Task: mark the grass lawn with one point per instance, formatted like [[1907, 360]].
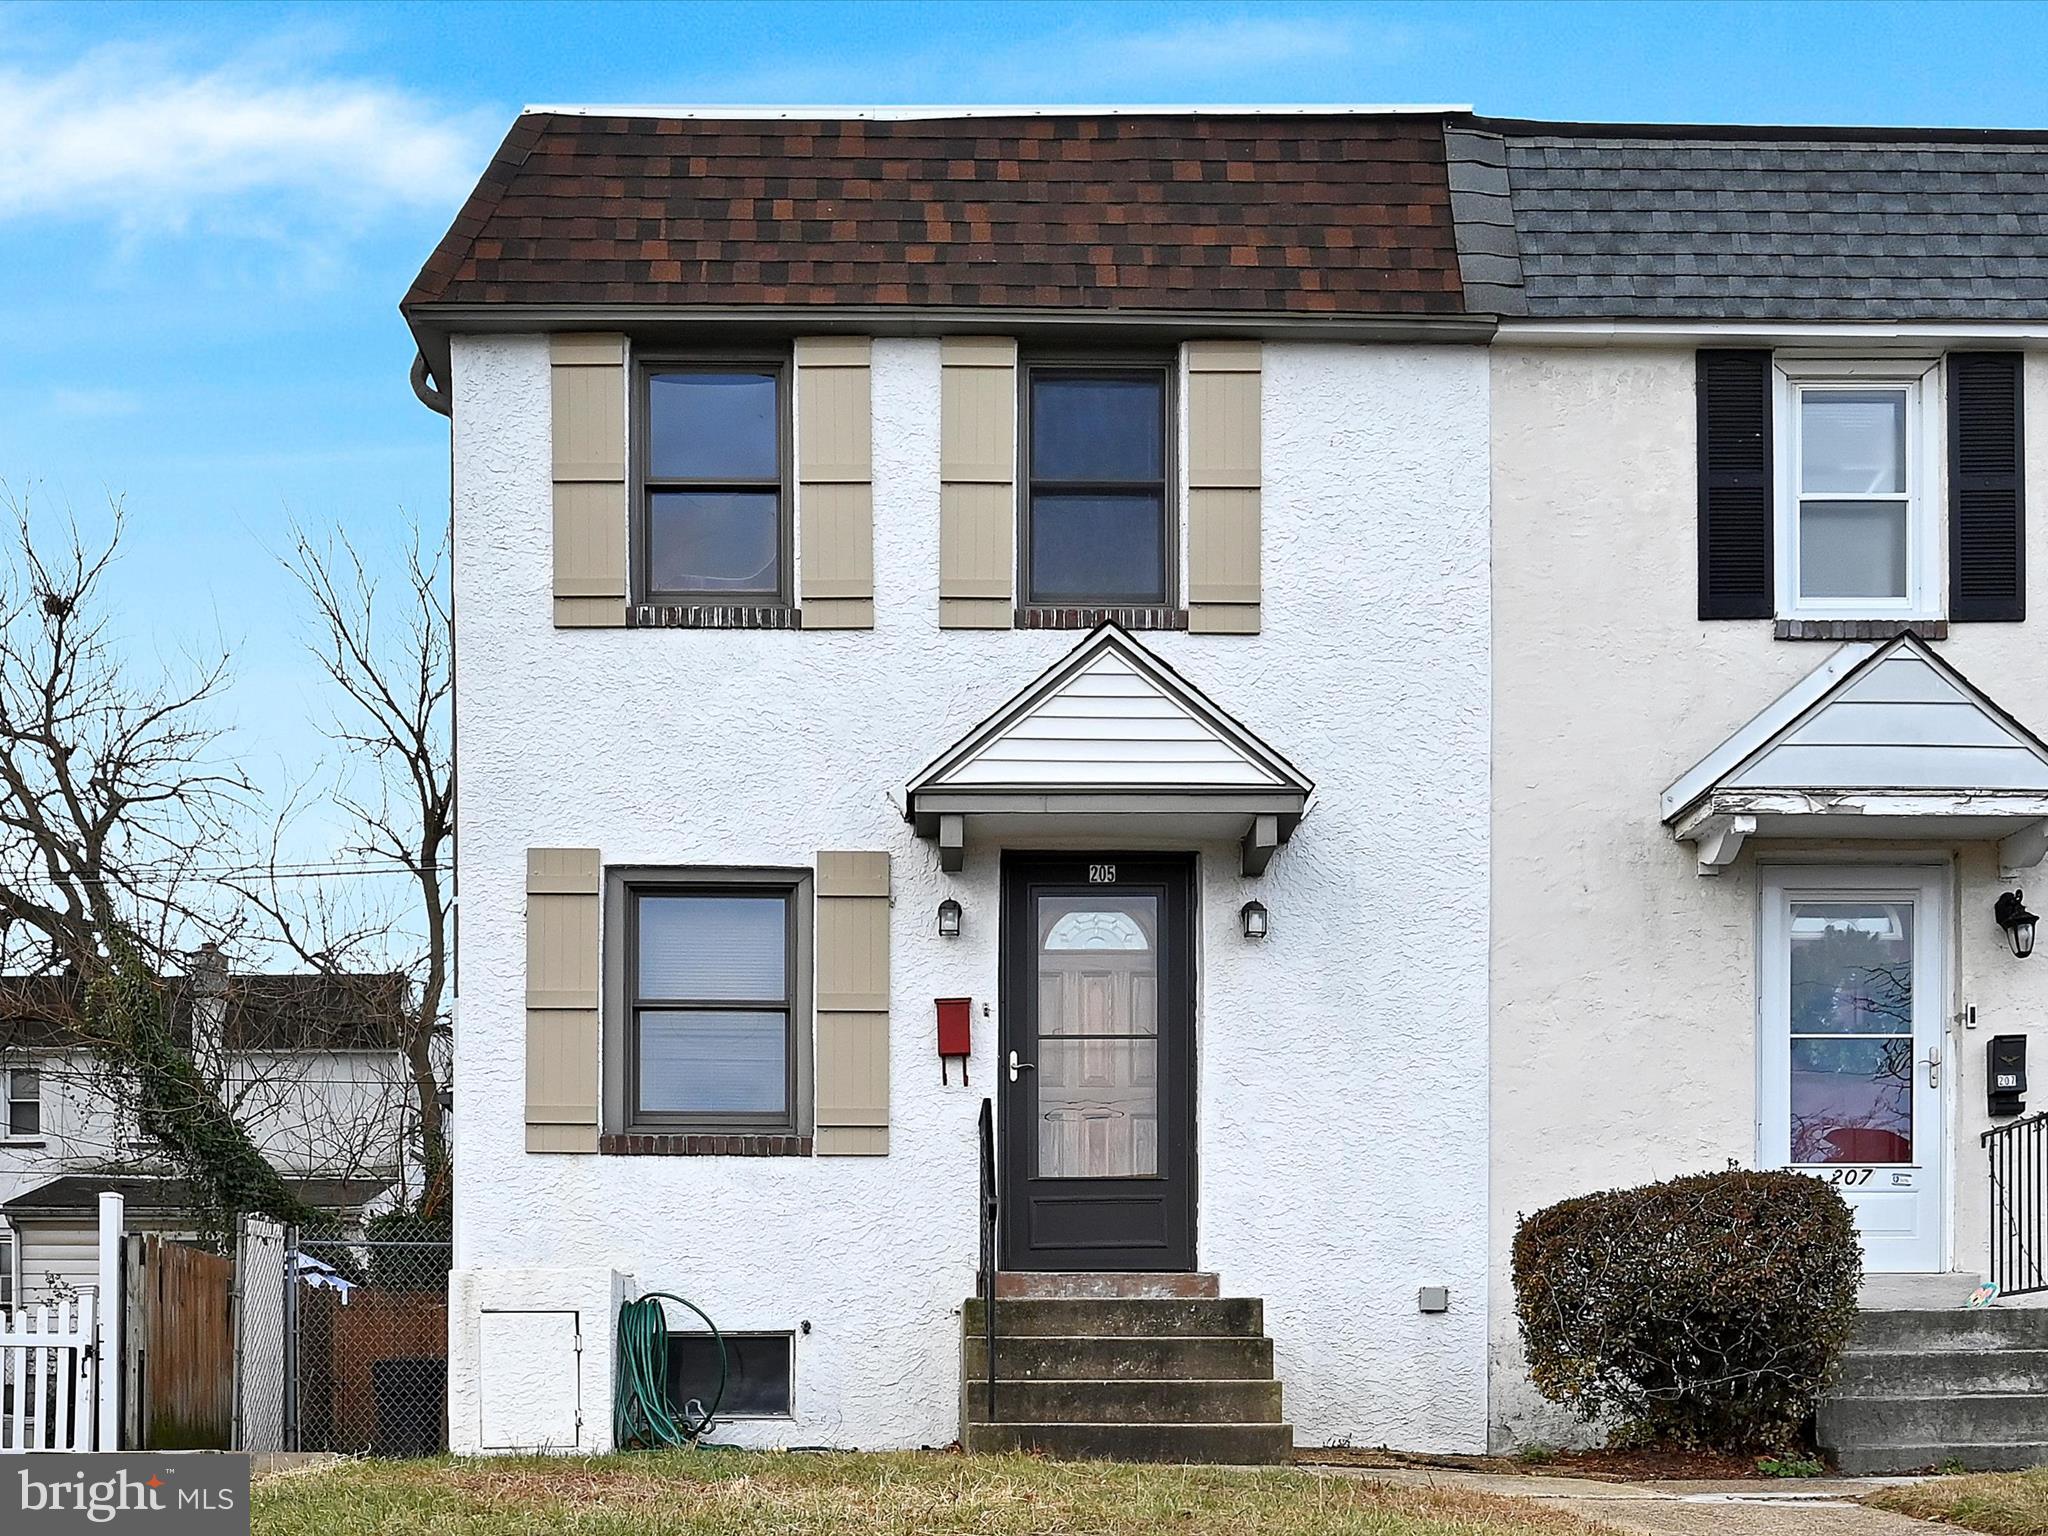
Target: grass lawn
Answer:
[[732, 1493], [2002, 1503]]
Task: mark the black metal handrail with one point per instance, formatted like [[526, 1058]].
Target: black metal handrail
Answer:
[[986, 1281], [2019, 1180]]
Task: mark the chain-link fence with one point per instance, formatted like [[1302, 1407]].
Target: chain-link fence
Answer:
[[367, 1346]]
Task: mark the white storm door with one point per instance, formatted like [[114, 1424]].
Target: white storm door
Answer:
[[1854, 989]]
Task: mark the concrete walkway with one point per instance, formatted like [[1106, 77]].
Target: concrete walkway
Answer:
[[1808, 1507]]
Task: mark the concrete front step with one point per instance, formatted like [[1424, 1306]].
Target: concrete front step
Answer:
[[1885, 1461], [1128, 1402], [1976, 1418], [1233, 1444], [1105, 1286], [1936, 1373], [1122, 1318], [1953, 1329], [1063, 1357]]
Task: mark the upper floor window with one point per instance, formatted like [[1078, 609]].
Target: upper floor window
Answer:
[[1098, 523], [24, 1102], [1859, 526], [713, 522]]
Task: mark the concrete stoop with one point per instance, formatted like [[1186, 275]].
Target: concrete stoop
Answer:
[[1925, 1388], [1123, 1375]]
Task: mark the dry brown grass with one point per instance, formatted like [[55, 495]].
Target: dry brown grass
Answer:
[[719, 1493], [1999, 1503]]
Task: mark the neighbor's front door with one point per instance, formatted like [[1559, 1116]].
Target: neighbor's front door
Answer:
[[1097, 1063], [1854, 982]]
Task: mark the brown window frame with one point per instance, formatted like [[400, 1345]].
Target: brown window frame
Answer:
[[624, 887], [1103, 365], [776, 364]]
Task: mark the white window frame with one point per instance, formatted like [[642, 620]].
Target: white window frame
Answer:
[[10, 1267], [1926, 576], [7, 1134]]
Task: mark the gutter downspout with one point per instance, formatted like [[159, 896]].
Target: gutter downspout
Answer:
[[432, 396]]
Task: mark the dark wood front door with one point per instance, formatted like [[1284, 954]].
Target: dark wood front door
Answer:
[[1097, 1068]]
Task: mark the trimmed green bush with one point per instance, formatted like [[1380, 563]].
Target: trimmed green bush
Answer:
[[1705, 1312]]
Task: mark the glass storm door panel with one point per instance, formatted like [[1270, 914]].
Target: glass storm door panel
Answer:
[[1854, 980], [1097, 1056]]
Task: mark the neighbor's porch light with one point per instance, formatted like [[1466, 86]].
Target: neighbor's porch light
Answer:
[[2017, 922], [949, 919]]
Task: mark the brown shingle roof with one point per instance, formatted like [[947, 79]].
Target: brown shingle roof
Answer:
[[1251, 214]]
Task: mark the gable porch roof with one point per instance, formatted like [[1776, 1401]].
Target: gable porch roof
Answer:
[[1880, 740]]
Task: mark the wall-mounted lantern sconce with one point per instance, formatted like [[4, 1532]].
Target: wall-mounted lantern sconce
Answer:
[[2017, 921], [949, 919], [1253, 920]]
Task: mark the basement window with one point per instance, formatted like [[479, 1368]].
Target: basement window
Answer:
[[758, 1373]]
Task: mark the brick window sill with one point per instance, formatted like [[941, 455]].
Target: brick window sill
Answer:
[[1859, 629], [710, 616], [1088, 618], [701, 1144]]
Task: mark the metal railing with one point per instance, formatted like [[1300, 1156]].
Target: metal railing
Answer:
[[986, 1280], [2019, 1183]]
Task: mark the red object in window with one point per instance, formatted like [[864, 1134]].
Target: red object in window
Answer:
[[956, 1028]]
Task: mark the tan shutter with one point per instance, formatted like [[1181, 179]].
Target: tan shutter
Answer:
[[977, 481], [589, 391], [835, 492], [852, 1066], [1223, 487], [562, 972]]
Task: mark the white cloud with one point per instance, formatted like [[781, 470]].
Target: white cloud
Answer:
[[1087, 61], [132, 135], [93, 401]]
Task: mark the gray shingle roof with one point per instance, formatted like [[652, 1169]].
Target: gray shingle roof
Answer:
[[1762, 224]]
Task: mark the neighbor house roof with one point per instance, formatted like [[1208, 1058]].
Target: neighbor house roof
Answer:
[[77, 1192], [265, 1012], [1248, 213], [1564, 221]]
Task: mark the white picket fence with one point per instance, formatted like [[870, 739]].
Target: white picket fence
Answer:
[[48, 1366], [54, 1394]]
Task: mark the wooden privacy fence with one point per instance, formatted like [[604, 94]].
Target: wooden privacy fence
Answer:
[[182, 1314], [47, 1377]]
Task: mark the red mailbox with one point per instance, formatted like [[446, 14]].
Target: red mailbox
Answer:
[[956, 1032]]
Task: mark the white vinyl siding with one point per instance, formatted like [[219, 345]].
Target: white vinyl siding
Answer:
[[1902, 726], [1111, 724]]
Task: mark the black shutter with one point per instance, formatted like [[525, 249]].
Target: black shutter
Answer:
[[1735, 514], [1987, 497]]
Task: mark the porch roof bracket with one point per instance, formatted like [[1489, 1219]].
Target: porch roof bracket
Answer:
[[952, 843], [1261, 840], [1717, 839], [2023, 850]]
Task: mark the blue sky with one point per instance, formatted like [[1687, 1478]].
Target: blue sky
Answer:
[[208, 213]]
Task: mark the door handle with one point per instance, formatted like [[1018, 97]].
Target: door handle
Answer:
[[1933, 1060], [1017, 1066]]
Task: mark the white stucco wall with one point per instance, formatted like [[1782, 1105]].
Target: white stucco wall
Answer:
[[1624, 985], [1342, 1064]]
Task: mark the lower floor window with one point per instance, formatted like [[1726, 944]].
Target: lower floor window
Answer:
[[711, 1024], [757, 1374]]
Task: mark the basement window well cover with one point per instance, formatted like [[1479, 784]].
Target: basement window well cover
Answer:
[[758, 1373]]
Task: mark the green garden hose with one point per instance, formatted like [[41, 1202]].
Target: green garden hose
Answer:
[[642, 1412]]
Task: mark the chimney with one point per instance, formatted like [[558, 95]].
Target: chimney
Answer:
[[206, 968]]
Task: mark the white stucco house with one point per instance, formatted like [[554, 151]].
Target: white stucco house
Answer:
[[1349, 665]]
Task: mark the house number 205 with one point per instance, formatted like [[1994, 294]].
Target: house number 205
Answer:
[[1102, 874]]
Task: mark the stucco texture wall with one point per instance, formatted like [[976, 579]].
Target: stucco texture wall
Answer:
[[1624, 985], [1342, 1063]]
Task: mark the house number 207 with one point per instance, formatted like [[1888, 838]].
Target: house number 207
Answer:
[[1102, 874]]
